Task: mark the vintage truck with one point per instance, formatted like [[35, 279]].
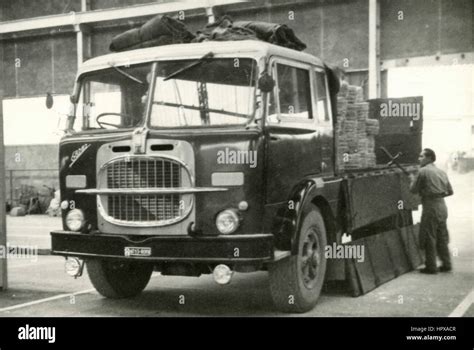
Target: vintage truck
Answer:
[[214, 157]]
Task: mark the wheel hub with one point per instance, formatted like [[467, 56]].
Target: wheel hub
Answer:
[[310, 259]]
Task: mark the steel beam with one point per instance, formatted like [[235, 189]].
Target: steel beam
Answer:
[[83, 43], [374, 49], [3, 225], [432, 60], [210, 15], [3, 228], [97, 16]]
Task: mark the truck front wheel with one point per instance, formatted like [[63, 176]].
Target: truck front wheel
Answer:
[[296, 281], [118, 279]]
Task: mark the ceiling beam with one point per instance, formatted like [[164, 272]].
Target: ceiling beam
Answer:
[[97, 16]]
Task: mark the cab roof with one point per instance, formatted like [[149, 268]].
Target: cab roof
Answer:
[[242, 48]]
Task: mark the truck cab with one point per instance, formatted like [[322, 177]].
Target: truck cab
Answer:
[[214, 157]]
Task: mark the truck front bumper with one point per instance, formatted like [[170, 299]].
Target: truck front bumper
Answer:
[[252, 248]]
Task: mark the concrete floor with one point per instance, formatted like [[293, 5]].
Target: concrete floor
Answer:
[[41, 288], [32, 230]]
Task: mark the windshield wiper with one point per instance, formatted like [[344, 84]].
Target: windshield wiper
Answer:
[[192, 65], [198, 108], [128, 75]]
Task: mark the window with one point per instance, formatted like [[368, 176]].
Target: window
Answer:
[[294, 95], [113, 98], [102, 98], [218, 91], [321, 97]]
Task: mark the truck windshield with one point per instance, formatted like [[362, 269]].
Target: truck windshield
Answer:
[[218, 91], [113, 98]]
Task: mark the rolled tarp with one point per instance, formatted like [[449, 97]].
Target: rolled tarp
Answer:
[[278, 34], [164, 30], [160, 30], [224, 30]]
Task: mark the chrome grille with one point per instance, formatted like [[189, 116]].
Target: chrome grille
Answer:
[[144, 207], [144, 173]]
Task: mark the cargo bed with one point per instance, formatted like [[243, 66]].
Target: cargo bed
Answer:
[[378, 169], [371, 195]]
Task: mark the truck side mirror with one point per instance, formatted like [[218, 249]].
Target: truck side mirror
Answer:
[[49, 100], [266, 83]]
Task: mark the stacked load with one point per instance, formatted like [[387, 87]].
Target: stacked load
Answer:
[[354, 131], [354, 94], [372, 126]]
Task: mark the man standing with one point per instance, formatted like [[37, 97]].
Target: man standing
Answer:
[[432, 185]]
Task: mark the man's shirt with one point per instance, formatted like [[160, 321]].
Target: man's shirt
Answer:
[[431, 183]]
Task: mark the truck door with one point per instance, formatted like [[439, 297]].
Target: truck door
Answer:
[[293, 149]]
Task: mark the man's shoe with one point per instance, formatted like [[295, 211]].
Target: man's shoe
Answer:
[[445, 269], [429, 271]]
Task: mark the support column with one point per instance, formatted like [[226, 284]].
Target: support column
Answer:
[[3, 226], [210, 15], [83, 37], [374, 49], [85, 5], [83, 40]]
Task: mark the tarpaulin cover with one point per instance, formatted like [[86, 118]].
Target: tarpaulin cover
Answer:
[[164, 30], [224, 30], [278, 34], [160, 30]]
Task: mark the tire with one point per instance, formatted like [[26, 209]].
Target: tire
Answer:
[[296, 281], [118, 279]]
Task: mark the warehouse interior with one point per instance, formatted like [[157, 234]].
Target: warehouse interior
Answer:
[[400, 48], [43, 43]]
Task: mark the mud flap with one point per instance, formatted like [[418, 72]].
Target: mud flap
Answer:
[[387, 256], [411, 239]]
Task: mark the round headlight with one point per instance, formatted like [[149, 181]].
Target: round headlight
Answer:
[[75, 220], [222, 274], [72, 267], [227, 221]]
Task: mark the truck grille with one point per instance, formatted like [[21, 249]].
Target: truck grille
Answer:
[[129, 173], [144, 207], [144, 173]]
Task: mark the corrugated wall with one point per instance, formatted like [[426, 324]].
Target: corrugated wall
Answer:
[[426, 27], [34, 66], [19, 9], [334, 30]]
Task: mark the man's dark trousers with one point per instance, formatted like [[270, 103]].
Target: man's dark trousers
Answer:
[[434, 236]]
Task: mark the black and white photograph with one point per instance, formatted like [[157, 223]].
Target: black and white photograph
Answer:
[[237, 159]]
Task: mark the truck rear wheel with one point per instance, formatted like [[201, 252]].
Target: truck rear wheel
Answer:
[[296, 281], [118, 279]]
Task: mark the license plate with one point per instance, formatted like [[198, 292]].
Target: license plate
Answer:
[[137, 251]]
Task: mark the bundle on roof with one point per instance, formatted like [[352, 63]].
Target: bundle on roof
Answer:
[[160, 30], [278, 34], [164, 30], [224, 30]]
